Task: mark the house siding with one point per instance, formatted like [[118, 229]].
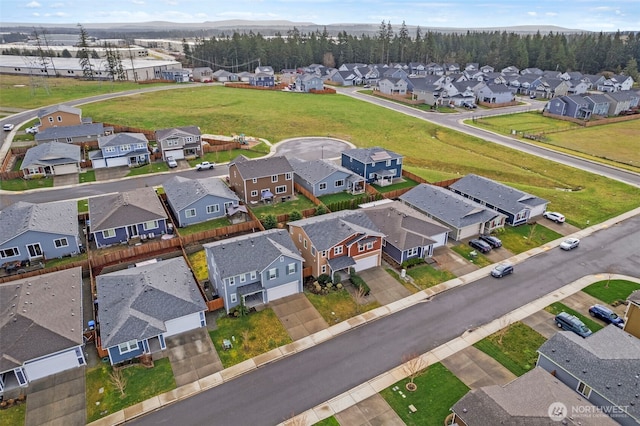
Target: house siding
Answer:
[[201, 210], [123, 236], [330, 182], [394, 252], [238, 185], [47, 243], [361, 168], [60, 119], [116, 357]]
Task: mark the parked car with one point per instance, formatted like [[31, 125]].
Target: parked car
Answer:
[[569, 244], [606, 315], [494, 242], [554, 216], [480, 245], [569, 322], [205, 165], [532, 96], [171, 162], [501, 270], [8, 127], [469, 105], [31, 130]]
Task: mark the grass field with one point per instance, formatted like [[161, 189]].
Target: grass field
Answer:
[[611, 291], [465, 251], [425, 276], [427, 148], [521, 238], [14, 416], [337, 306]]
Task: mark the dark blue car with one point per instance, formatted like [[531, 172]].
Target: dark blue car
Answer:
[[606, 315]]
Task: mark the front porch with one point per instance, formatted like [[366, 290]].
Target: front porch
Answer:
[[252, 295]]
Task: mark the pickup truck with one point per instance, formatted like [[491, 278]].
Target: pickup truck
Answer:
[[204, 166]]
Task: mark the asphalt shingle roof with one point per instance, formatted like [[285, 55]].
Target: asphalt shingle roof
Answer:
[[135, 303], [64, 108], [125, 208], [82, 130], [118, 139], [59, 217], [183, 192], [261, 167], [177, 131], [369, 155], [51, 154], [315, 171]]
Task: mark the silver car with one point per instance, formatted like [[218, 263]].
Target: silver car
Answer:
[[569, 244], [171, 162]]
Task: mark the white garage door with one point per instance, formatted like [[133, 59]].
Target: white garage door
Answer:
[[65, 169], [177, 154], [182, 324], [98, 164], [366, 263], [282, 291], [51, 365], [118, 161]]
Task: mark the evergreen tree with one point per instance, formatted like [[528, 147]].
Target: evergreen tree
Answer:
[[83, 54]]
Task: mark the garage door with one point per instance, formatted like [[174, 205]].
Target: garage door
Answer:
[[177, 154], [51, 365], [366, 263], [65, 169], [182, 324], [282, 291], [119, 161], [98, 164]]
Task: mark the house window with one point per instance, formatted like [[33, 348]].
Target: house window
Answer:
[[339, 183], [190, 213], [108, 233], [255, 180], [125, 148], [109, 149], [304, 243], [69, 140], [273, 273], [253, 275], [412, 251], [213, 208], [152, 224], [323, 253], [130, 346], [337, 250], [360, 247], [50, 119], [274, 178], [399, 161], [60, 242], [322, 186], [227, 205], [9, 252], [323, 269], [254, 193], [291, 268], [234, 298], [288, 176], [232, 280], [313, 251], [281, 189], [388, 163], [59, 119], [80, 357], [203, 321], [584, 389], [372, 175], [140, 146], [243, 278], [188, 139], [35, 250]]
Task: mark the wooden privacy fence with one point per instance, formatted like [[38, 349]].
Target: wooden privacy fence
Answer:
[[83, 263], [117, 128], [299, 188], [220, 232], [413, 177], [130, 253]]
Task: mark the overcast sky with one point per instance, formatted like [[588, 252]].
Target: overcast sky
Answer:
[[592, 15]]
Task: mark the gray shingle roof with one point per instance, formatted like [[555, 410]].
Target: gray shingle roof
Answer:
[[118, 139], [183, 192], [59, 217], [327, 230], [82, 130], [261, 167], [607, 361], [51, 154], [231, 255], [315, 171], [496, 194], [39, 316], [125, 208], [135, 303], [56, 108], [447, 206], [177, 131], [634, 297], [370, 155]]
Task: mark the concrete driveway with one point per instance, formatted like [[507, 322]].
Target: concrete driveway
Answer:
[[298, 316], [109, 173], [58, 399], [542, 322], [476, 369], [192, 356], [371, 411], [560, 228], [64, 180], [384, 288], [451, 261]]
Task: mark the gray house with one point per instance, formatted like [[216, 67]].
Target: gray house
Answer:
[[464, 217], [602, 368], [139, 308], [179, 142], [79, 134], [495, 94], [121, 149], [392, 86], [198, 200], [308, 82], [620, 101], [574, 106], [254, 269], [41, 330], [322, 177], [598, 104], [39, 231], [202, 74], [52, 158]]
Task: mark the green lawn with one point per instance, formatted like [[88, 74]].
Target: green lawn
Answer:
[[142, 384], [155, 167], [63, 261], [88, 176], [514, 347], [465, 251], [83, 206], [518, 239], [425, 276], [438, 389], [557, 307], [610, 291], [337, 306], [259, 150], [25, 184], [198, 261], [300, 203], [15, 416], [263, 331], [527, 122], [329, 421], [204, 226], [406, 183]]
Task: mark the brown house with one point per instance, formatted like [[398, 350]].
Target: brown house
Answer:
[[261, 180], [337, 242], [632, 315], [59, 116]]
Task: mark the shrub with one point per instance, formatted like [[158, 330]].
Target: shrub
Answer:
[[295, 215], [270, 222], [412, 262], [359, 283], [323, 279], [320, 210]]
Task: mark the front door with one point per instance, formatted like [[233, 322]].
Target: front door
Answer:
[[35, 250], [132, 230]]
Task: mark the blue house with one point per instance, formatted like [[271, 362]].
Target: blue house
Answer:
[[121, 149], [254, 269], [31, 232], [377, 165], [307, 82], [598, 104], [322, 177], [262, 80], [198, 200], [140, 307], [574, 106], [118, 218]]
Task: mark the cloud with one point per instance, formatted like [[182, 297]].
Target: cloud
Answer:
[[139, 2], [33, 5], [551, 14], [532, 13]]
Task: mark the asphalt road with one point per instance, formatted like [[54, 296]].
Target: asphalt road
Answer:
[[273, 393]]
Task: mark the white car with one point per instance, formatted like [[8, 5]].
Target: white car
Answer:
[[204, 166], [31, 130], [8, 127], [554, 216], [171, 162], [569, 244]]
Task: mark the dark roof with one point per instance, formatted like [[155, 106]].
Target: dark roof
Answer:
[[62, 132], [183, 192], [51, 154], [125, 208], [370, 155], [177, 131], [261, 167], [56, 218], [56, 108], [315, 171], [118, 139]]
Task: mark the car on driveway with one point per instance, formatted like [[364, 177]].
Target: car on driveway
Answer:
[[554, 216], [171, 162], [606, 315], [31, 130], [501, 270], [494, 242], [8, 127], [569, 244], [480, 245], [569, 322], [205, 165]]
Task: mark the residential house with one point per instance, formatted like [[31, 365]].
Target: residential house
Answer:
[[224, 76], [632, 314], [451, 68], [262, 179], [487, 69], [322, 177], [244, 76], [254, 269], [517, 205], [551, 87], [574, 106], [202, 74], [265, 69], [395, 73], [495, 94], [616, 83], [459, 93], [41, 330], [603, 368], [140, 307], [593, 81], [32, 232], [338, 241], [377, 165], [79, 135], [392, 86], [262, 80], [60, 116], [533, 70], [129, 216], [177, 75], [620, 101], [289, 75], [510, 70], [51, 159], [198, 200], [408, 233], [308, 82], [578, 87], [434, 69], [598, 104], [343, 78], [464, 217], [179, 142], [417, 68], [513, 403], [121, 149]]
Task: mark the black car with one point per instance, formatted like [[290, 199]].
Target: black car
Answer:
[[501, 270], [480, 245], [493, 241]]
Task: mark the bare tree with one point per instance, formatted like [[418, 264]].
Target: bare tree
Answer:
[[611, 270], [359, 297], [118, 380], [532, 231], [414, 365], [245, 340]]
